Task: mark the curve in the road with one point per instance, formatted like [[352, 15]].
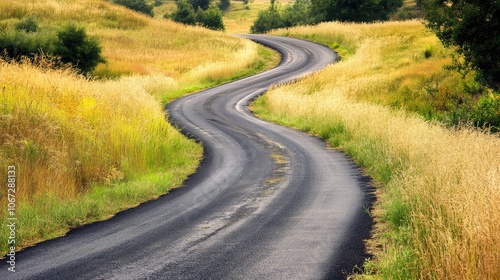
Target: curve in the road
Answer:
[[267, 202]]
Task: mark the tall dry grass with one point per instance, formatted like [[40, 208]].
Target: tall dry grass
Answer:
[[66, 135], [62, 129], [86, 149], [439, 202], [137, 44]]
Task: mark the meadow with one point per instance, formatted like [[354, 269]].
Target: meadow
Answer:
[[438, 191], [86, 148]]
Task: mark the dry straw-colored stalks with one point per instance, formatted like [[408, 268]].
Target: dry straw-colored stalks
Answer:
[[442, 186]]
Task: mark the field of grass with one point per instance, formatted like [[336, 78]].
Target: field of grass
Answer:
[[438, 213], [83, 148]]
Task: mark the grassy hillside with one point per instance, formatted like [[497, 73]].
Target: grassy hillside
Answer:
[[84, 149], [438, 188]]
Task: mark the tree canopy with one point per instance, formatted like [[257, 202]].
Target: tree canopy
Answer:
[[472, 27], [303, 12], [354, 10], [193, 12]]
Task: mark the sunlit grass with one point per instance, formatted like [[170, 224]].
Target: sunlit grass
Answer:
[[438, 199], [87, 148], [65, 134], [136, 44]]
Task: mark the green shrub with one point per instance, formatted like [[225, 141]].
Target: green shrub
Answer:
[[185, 13], [224, 4], [267, 20], [28, 24], [69, 45], [274, 17], [296, 14], [487, 112], [200, 4], [211, 18], [137, 5], [74, 46], [16, 44]]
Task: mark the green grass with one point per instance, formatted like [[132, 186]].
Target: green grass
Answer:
[[49, 216]]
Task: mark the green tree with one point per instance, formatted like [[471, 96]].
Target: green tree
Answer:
[[185, 13], [354, 10], [211, 18], [268, 19], [137, 5], [74, 46], [472, 27], [224, 4], [296, 14], [197, 4]]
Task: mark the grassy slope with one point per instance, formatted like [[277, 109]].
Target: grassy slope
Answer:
[[438, 189], [85, 149]]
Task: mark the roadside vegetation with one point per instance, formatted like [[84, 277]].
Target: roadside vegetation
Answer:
[[88, 146], [201, 13], [438, 186], [306, 12]]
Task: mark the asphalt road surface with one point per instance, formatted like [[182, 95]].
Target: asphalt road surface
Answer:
[[267, 202]]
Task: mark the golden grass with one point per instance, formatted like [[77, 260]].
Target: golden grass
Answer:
[[62, 129], [136, 44], [85, 149], [442, 186], [66, 135]]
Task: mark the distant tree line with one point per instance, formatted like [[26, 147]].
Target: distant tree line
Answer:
[[66, 45], [200, 12], [314, 11]]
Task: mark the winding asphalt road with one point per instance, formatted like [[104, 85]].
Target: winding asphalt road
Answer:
[[267, 202]]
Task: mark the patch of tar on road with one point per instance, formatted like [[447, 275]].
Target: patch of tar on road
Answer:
[[281, 169], [254, 204]]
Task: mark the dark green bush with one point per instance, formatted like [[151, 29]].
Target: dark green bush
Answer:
[[211, 18], [267, 20], [15, 44], [69, 45], [200, 4], [137, 5], [28, 24], [224, 4], [185, 13], [74, 46], [296, 14], [354, 10]]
